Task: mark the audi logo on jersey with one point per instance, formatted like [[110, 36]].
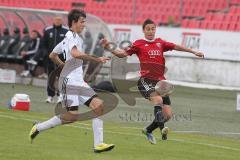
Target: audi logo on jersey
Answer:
[[153, 53]]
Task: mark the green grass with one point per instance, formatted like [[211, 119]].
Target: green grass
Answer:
[[212, 112]]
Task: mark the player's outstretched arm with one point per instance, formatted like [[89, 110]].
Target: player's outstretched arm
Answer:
[[117, 52], [80, 55], [55, 58], [184, 49]]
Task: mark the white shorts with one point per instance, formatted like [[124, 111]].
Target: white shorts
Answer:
[[76, 92]]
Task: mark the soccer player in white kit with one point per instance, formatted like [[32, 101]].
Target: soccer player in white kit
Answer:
[[72, 47]]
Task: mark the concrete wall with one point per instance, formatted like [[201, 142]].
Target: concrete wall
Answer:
[[217, 72]]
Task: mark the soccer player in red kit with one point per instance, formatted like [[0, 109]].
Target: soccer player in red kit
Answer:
[[150, 52]]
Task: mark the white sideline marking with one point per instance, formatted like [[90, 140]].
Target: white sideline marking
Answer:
[[206, 144], [16, 118], [128, 134], [2, 114], [203, 86]]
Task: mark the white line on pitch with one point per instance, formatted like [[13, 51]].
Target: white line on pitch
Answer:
[[133, 128], [128, 134]]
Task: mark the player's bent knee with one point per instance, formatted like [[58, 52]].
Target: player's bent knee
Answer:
[[73, 118], [97, 106], [70, 117], [99, 110], [156, 99]]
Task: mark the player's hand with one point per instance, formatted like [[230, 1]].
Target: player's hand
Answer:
[[61, 65], [199, 54], [103, 59], [104, 42], [23, 53]]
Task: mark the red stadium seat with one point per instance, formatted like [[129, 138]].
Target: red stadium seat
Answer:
[[194, 24], [185, 23], [204, 24], [235, 2], [218, 25], [209, 16], [225, 26], [235, 18], [237, 27], [211, 25], [121, 11], [232, 26], [219, 17]]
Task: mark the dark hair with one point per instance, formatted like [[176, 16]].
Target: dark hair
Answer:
[[146, 22], [74, 15], [101, 36], [16, 30], [38, 34], [25, 30], [6, 31]]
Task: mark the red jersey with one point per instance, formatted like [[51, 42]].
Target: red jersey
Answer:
[[150, 55]]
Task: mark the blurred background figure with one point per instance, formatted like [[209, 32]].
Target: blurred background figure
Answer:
[[88, 41], [51, 37], [10, 41], [4, 40], [26, 37], [21, 45], [93, 68], [15, 39], [33, 48]]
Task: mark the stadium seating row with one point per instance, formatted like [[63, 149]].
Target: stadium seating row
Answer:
[[12, 45], [213, 14], [207, 24]]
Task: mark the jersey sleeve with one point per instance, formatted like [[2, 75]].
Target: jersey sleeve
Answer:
[[133, 49], [168, 46], [72, 42], [58, 48]]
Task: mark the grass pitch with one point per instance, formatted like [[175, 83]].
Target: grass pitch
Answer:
[[205, 126]]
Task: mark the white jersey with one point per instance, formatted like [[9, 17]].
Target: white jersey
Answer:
[[74, 79], [58, 48], [65, 46]]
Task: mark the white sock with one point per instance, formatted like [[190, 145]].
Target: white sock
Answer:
[[97, 125], [54, 121]]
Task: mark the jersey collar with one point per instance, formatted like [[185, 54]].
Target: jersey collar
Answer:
[[149, 40]]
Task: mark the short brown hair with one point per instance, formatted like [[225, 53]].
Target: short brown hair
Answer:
[[74, 15], [146, 22]]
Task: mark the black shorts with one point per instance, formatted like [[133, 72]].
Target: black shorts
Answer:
[[147, 86]]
